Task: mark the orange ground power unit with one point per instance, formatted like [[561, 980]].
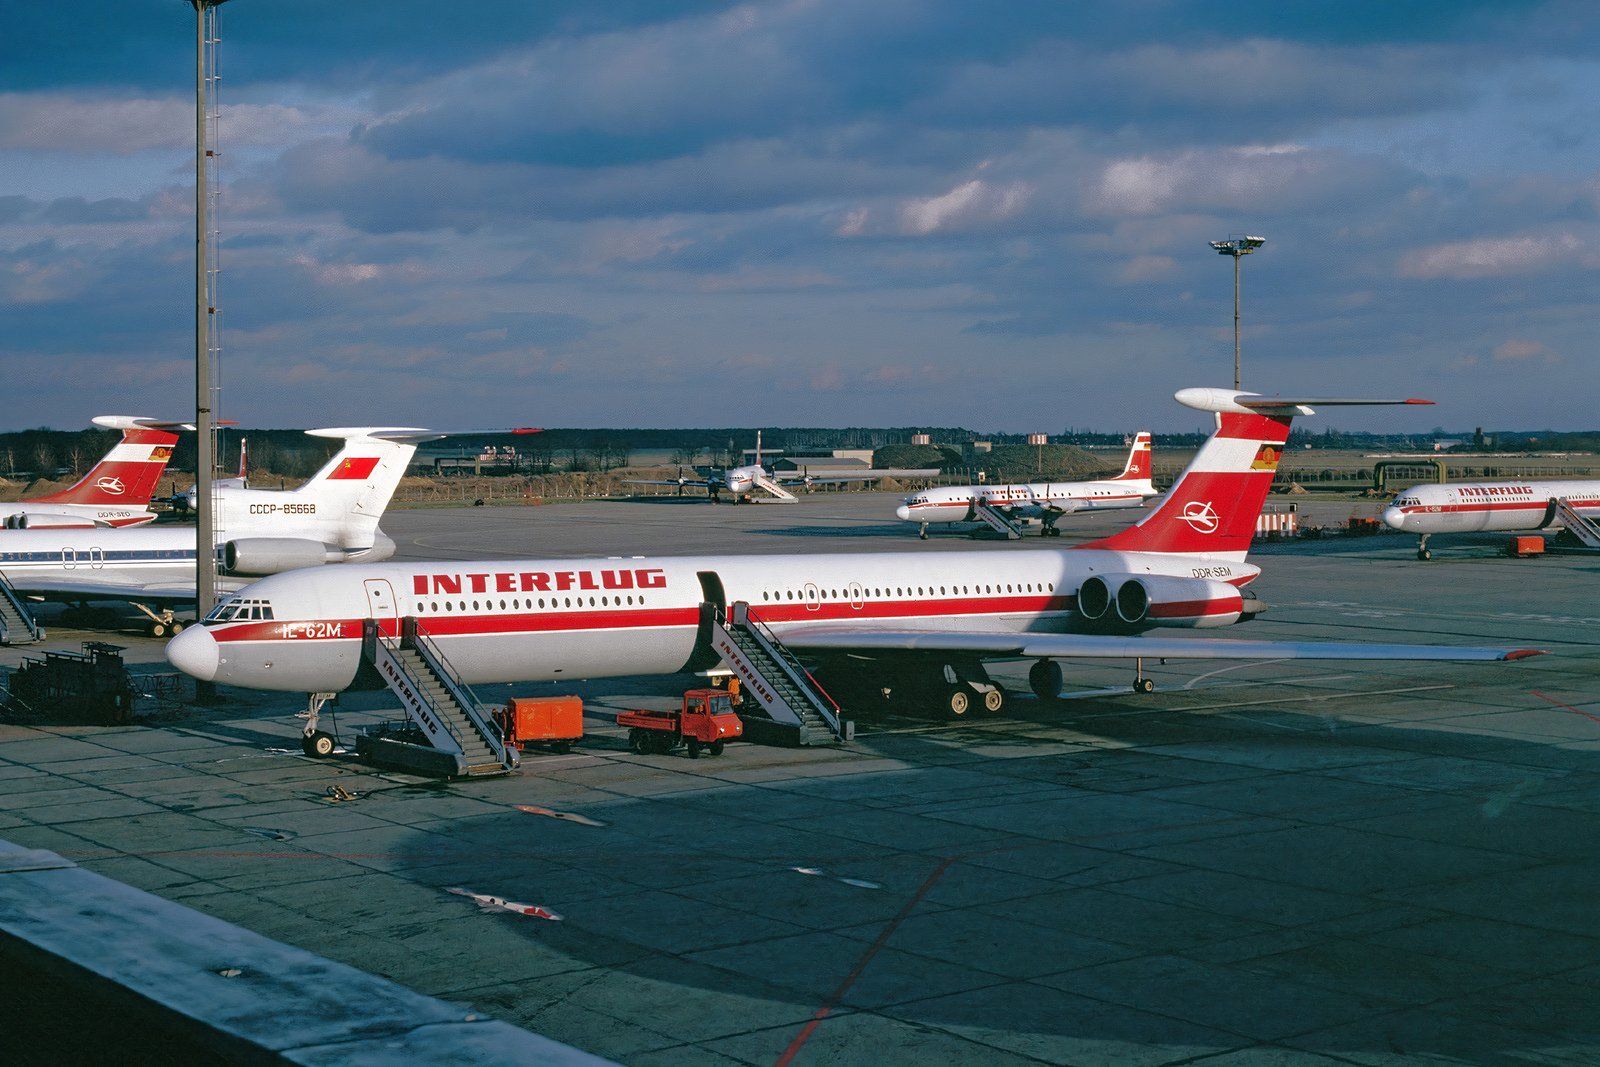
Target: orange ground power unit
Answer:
[[545, 720]]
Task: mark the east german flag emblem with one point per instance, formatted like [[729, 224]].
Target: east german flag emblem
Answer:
[[160, 454], [1267, 457]]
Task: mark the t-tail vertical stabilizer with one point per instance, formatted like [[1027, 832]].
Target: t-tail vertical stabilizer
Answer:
[[1212, 508]]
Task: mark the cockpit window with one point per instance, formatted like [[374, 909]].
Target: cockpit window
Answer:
[[234, 609]]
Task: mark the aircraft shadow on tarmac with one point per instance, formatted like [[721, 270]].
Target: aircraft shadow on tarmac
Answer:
[[1108, 894]]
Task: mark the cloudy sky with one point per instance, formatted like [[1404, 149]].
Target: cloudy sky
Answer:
[[806, 211]]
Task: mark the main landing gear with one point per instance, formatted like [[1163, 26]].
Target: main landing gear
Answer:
[[162, 623], [1049, 530], [1422, 547], [314, 742]]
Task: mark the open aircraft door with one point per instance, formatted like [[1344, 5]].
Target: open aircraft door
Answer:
[[381, 605]]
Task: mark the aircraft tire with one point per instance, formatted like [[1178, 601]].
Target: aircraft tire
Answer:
[[994, 701], [1046, 679], [158, 629], [318, 745], [957, 701], [1424, 554], [1145, 685]]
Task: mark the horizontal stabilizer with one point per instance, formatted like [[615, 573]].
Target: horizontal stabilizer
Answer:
[[1206, 399]]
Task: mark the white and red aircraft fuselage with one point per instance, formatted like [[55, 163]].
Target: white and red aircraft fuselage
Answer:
[[1045, 502], [920, 617], [1478, 507], [116, 492]]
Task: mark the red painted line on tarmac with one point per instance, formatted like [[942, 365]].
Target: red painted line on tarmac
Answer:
[[1568, 707], [861, 965]]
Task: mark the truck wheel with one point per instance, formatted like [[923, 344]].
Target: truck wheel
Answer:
[[715, 748], [636, 741], [561, 748], [694, 748]]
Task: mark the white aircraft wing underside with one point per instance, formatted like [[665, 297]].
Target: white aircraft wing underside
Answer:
[[1095, 646], [151, 592]]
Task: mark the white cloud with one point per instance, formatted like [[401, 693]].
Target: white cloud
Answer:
[[968, 205], [83, 125], [1492, 257]]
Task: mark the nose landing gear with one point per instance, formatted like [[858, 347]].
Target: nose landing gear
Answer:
[[1422, 547]]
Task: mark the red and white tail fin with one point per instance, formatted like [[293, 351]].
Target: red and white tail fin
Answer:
[[127, 474], [1213, 507], [244, 464], [1139, 460]]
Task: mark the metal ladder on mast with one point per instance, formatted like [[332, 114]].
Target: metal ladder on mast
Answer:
[[1585, 530], [996, 521], [463, 738], [17, 626], [801, 711]]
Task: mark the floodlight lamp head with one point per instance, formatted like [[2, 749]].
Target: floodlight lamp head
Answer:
[[1238, 246]]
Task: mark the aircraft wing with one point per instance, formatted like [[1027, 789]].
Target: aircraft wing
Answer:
[[685, 482], [68, 588], [1096, 646], [800, 479]]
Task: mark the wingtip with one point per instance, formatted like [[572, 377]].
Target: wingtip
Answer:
[[1418, 400], [1524, 653]]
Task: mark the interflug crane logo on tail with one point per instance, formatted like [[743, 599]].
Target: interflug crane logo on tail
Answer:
[[1201, 516], [113, 486]]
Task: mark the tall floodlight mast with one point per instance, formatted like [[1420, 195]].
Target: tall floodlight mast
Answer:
[[205, 21], [1238, 248]]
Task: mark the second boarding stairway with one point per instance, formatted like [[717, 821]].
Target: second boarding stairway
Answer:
[[17, 626], [778, 492], [1586, 531], [463, 739], [996, 520], [798, 711]]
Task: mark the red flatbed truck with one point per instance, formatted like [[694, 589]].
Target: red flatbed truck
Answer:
[[705, 723]]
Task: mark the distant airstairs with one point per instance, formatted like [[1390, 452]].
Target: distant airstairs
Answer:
[[462, 738], [997, 521], [778, 491], [17, 626], [1584, 530], [770, 676]]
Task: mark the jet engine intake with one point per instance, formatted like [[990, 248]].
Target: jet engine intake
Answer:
[[50, 520], [1094, 598], [1161, 600], [260, 556]]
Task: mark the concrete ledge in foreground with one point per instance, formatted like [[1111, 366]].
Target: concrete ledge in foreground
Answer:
[[110, 966]]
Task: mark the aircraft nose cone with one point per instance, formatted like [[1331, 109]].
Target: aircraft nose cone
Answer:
[[195, 653], [904, 511], [1394, 517]]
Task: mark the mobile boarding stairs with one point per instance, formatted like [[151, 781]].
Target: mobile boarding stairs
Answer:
[[449, 732], [794, 709], [17, 626]]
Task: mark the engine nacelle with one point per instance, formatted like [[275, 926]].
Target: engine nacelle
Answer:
[[1094, 596], [257, 557], [1160, 600], [50, 520]]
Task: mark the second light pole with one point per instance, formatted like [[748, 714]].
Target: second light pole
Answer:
[[1238, 248]]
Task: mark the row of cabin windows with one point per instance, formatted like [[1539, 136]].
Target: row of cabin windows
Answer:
[[901, 591], [438, 607]]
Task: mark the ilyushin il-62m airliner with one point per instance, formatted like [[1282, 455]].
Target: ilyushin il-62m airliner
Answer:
[[908, 623]]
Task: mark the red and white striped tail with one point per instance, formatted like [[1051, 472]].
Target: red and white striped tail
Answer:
[[1213, 508], [1139, 460], [126, 475]]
